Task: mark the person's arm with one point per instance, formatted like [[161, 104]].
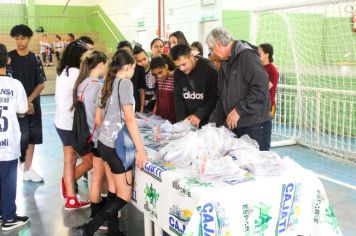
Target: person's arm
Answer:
[[255, 77], [141, 87], [179, 104], [142, 98], [212, 96], [21, 100], [218, 115], [132, 126], [39, 80], [270, 85], [273, 78], [98, 117]]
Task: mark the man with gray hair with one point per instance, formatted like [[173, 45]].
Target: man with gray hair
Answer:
[[244, 104]]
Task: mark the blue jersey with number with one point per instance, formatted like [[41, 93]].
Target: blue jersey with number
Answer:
[[13, 101]]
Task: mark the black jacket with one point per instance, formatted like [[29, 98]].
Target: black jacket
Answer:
[[196, 93], [138, 82], [243, 84]]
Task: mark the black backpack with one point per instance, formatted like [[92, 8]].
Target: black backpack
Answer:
[[81, 136]]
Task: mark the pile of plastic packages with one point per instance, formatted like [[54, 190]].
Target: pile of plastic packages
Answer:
[[158, 132], [211, 153]]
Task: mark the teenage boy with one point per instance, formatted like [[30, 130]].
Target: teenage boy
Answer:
[[141, 58], [13, 100], [28, 70], [195, 86], [138, 79]]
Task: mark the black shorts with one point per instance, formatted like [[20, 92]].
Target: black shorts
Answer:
[[96, 153], [31, 130], [65, 136], [109, 155]]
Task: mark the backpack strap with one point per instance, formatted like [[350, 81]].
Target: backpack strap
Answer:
[[82, 95], [81, 99]]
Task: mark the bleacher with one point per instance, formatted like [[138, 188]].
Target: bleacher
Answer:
[[34, 46]]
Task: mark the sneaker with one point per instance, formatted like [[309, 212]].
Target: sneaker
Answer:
[[15, 223], [80, 231], [1, 219], [64, 190], [72, 203], [104, 226], [31, 175]]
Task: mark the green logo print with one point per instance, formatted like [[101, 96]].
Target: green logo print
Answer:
[[261, 223], [194, 182], [331, 219], [151, 195]]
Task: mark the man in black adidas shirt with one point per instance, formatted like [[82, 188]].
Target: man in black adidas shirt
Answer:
[[26, 68], [195, 86]]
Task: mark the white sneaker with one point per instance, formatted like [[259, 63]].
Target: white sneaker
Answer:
[[31, 175]]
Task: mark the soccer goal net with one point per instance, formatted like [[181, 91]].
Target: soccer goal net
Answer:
[[315, 52]]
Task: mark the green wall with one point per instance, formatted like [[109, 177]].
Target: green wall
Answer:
[[320, 42], [12, 14], [98, 25], [238, 23], [315, 35], [75, 19], [52, 18]]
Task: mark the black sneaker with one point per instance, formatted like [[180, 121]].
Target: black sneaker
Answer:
[[80, 231], [15, 223]]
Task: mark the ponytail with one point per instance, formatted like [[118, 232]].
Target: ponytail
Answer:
[[87, 65]]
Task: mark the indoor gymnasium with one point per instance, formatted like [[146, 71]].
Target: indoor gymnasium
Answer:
[[181, 118]]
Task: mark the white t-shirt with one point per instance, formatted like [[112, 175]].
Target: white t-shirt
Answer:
[[64, 98], [44, 46], [13, 100]]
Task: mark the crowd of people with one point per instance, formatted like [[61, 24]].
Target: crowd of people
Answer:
[[234, 87], [47, 48]]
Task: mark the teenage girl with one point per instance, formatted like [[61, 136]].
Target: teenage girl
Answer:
[[116, 108]]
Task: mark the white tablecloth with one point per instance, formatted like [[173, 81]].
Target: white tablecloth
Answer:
[[294, 203]]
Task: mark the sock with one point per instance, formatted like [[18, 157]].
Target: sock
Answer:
[[111, 207], [95, 208]]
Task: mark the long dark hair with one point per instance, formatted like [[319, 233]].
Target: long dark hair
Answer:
[[181, 39], [88, 64], [161, 62], [119, 60], [268, 48], [198, 46], [71, 56]]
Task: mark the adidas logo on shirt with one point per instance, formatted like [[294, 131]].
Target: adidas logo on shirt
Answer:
[[193, 96]]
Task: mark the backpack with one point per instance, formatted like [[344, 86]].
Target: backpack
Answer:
[[81, 136]]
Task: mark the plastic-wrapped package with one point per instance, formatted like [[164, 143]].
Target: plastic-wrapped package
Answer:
[[258, 162], [218, 169]]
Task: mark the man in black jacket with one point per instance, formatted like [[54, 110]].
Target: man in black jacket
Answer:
[[244, 104], [195, 86]]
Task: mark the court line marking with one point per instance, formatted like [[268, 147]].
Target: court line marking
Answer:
[[346, 185]]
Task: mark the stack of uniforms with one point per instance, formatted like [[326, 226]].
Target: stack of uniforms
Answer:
[[214, 154]]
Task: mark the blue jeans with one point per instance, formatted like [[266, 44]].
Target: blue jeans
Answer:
[[261, 133], [8, 180]]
